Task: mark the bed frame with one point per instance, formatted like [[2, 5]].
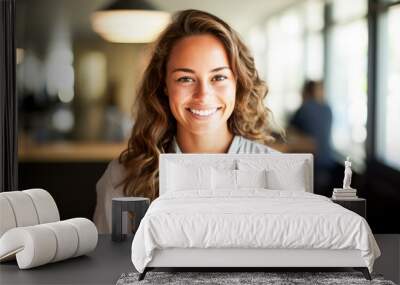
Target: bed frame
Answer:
[[247, 259]]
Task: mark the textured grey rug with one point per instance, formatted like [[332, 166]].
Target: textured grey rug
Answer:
[[229, 278]]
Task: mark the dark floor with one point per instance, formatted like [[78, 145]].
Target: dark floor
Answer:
[[104, 266], [389, 262]]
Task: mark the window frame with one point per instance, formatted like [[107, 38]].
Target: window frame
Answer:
[[8, 98]]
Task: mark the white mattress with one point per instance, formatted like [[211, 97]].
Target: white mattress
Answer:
[[252, 218]]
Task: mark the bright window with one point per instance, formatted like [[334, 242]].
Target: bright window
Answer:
[[314, 43], [347, 82], [344, 10], [314, 56], [285, 64], [294, 53], [288, 49], [388, 98]]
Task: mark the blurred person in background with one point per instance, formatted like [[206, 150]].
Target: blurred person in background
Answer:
[[314, 119]]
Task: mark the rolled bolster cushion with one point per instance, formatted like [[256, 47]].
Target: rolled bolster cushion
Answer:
[[40, 244], [7, 218], [67, 240], [33, 246], [26, 208], [45, 205], [23, 208], [87, 235]]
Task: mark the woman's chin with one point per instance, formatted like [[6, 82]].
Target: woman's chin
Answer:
[[209, 130]]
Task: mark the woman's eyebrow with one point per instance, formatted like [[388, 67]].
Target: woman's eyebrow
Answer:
[[219, 68], [183, 69], [192, 71]]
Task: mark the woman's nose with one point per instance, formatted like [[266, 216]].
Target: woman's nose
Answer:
[[203, 90]]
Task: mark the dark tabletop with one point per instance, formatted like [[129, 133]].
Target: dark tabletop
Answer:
[[104, 265]]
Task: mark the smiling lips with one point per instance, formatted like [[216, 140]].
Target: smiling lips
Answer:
[[204, 112]]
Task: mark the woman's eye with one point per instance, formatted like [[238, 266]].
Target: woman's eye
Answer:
[[185, 79], [219, 78]]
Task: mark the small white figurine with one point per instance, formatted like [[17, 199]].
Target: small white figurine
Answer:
[[347, 174]]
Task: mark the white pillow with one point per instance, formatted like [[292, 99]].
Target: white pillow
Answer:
[[293, 179], [236, 179], [224, 179], [182, 177], [280, 174], [251, 178]]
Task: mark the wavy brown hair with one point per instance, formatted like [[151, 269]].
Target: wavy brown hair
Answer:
[[155, 126]]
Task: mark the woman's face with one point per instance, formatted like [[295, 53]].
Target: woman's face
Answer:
[[200, 84]]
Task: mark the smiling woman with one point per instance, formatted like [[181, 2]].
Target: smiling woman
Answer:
[[200, 93]]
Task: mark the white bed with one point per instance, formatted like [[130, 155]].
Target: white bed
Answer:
[[256, 210]]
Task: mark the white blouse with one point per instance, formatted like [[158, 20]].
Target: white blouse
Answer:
[[107, 186]]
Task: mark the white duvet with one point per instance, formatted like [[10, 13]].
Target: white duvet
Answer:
[[252, 218]]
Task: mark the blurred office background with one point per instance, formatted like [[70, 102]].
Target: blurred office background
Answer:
[[76, 90]]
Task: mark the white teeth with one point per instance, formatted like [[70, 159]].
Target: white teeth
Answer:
[[204, 112]]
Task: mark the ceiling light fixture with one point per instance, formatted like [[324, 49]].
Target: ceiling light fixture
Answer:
[[129, 21]]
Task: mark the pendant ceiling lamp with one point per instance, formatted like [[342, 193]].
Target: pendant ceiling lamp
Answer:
[[129, 21]]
